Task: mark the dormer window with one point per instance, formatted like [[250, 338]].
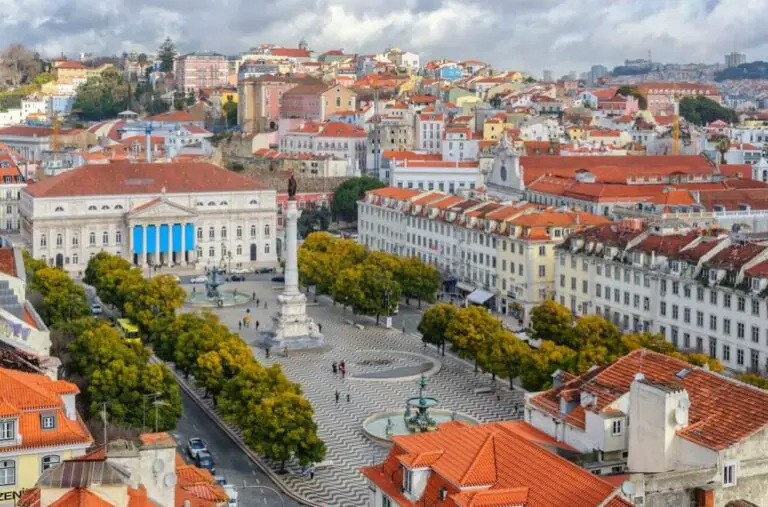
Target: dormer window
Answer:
[[756, 284], [91, 208], [48, 421], [713, 274], [616, 427], [8, 429], [407, 480], [676, 266]]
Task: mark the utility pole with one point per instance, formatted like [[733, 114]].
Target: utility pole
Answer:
[[104, 417]]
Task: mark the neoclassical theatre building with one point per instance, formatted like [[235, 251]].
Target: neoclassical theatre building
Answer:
[[183, 213]]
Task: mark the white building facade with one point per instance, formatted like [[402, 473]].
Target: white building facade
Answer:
[[151, 214]]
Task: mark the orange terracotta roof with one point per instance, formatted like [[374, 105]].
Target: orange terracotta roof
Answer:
[[290, 52], [395, 193], [438, 163], [410, 155], [7, 262], [339, 129], [428, 198], [129, 178], [157, 438], [714, 398], [81, 497], [173, 117], [139, 498], [506, 467]]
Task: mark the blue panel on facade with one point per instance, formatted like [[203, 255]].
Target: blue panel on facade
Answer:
[[151, 246], [190, 246], [138, 239], [176, 237], [164, 238]]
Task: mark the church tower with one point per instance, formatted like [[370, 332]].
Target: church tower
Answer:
[[506, 179]]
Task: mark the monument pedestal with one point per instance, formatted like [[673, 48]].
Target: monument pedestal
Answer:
[[292, 328]]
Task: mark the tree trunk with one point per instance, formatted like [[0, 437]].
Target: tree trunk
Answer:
[[475, 364], [282, 466], [377, 319], [493, 376], [419, 303]]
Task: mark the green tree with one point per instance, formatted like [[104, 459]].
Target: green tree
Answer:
[[99, 345], [753, 379], [541, 363], [281, 427], [723, 144], [142, 60], [345, 197], [346, 288], [230, 113], [166, 54], [633, 91], [470, 330], [434, 324], [215, 367], [702, 111], [197, 341], [248, 388], [505, 355], [315, 220], [552, 321], [380, 292], [63, 299], [153, 306], [594, 330], [419, 280], [102, 96], [31, 265]]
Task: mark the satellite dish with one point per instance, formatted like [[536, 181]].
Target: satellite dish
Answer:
[[685, 403], [158, 466], [627, 488], [169, 480]]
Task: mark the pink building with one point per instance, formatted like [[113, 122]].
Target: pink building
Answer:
[[660, 94], [316, 102], [194, 71], [259, 101], [618, 106]]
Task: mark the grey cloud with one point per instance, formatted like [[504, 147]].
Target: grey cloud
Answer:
[[521, 34]]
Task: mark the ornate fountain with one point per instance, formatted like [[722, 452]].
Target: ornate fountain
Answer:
[[213, 297], [419, 421]]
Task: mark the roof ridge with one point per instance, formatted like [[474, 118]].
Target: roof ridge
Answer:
[[489, 442]]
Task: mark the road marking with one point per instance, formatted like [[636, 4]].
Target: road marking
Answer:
[[265, 499], [194, 427]]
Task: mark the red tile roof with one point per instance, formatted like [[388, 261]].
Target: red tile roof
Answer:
[[339, 129], [723, 411], [394, 192], [81, 497], [290, 52], [502, 466], [668, 245], [24, 131], [735, 256], [70, 65], [136, 179], [173, 117], [7, 262]]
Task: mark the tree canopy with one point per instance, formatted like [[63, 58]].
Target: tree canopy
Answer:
[[102, 96], [345, 197], [702, 111], [633, 91], [166, 54]]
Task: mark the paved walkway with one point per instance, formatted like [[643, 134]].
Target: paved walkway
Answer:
[[372, 350]]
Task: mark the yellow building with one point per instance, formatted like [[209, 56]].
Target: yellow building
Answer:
[[575, 133], [75, 72], [39, 428], [494, 127]]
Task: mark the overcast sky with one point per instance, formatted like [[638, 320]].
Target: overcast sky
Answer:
[[530, 35]]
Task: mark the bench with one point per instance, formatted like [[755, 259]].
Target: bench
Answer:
[[482, 390], [360, 326]]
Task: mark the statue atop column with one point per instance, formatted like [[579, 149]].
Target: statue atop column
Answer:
[[292, 188]]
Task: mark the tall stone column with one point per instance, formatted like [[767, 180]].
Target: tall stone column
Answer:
[[292, 327], [292, 214], [183, 243], [157, 245], [144, 248], [130, 242]]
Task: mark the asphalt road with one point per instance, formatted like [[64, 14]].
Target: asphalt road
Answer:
[[230, 461]]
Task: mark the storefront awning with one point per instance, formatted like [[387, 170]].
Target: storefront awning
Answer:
[[465, 286], [479, 296]]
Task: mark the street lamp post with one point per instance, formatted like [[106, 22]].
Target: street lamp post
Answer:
[[144, 407], [387, 297]]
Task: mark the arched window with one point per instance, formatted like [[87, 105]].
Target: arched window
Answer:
[[43, 240], [7, 472], [91, 208], [59, 240], [50, 461], [223, 233], [92, 238], [118, 238], [211, 203], [223, 203], [105, 207], [75, 239], [266, 231], [211, 233], [59, 208], [200, 233], [212, 252], [105, 238], [266, 248], [253, 231], [118, 206], [254, 201], [239, 232]]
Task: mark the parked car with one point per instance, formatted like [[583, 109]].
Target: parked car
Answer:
[[229, 489], [96, 309], [195, 446], [199, 279], [236, 278], [278, 278], [239, 271], [265, 270], [204, 459]]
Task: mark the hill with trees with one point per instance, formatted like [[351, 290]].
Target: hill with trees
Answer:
[[751, 70]]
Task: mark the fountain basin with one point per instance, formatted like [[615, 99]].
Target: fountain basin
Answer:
[[375, 426], [228, 298]]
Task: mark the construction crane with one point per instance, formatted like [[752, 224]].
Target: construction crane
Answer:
[[55, 140], [676, 127]]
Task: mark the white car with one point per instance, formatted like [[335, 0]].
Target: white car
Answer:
[[239, 271], [96, 309], [199, 279]]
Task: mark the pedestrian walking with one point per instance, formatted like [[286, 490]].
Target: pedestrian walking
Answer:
[[343, 372], [240, 325], [265, 305], [254, 296], [267, 352], [347, 397], [403, 328], [335, 368], [342, 364], [337, 396], [235, 292], [194, 290], [285, 351], [257, 301], [257, 325], [320, 327]]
